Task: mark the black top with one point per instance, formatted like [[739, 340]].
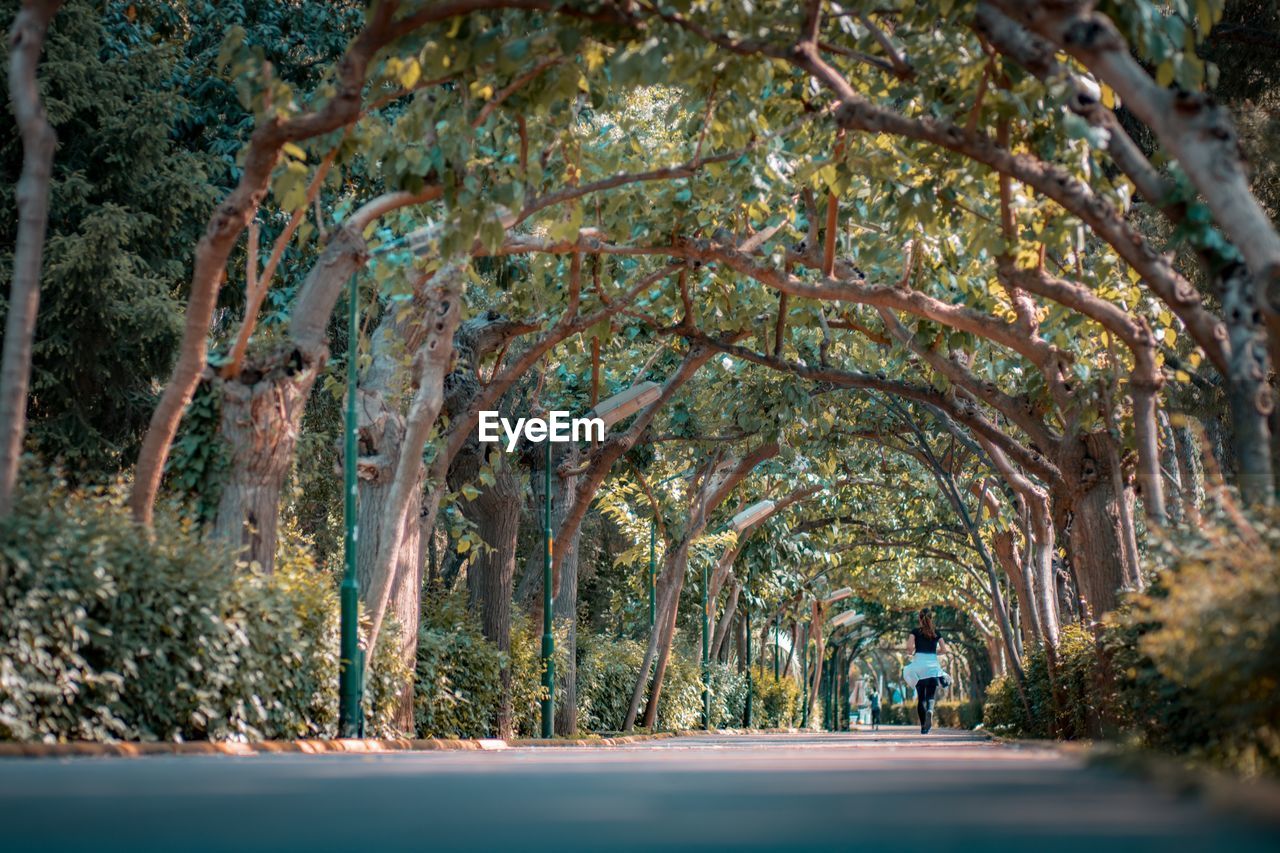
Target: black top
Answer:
[[928, 645]]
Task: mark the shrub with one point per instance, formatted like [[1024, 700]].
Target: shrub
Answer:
[[456, 685], [776, 702], [1083, 701], [949, 714], [607, 672], [109, 633], [1196, 661]]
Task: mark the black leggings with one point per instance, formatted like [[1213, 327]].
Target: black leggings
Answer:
[[925, 690]]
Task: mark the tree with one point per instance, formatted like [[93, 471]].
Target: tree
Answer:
[[26, 41]]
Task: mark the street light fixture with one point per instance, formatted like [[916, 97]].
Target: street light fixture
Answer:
[[626, 403], [839, 595], [849, 617], [753, 514]]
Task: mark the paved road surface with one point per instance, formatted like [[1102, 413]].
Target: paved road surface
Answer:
[[890, 791]]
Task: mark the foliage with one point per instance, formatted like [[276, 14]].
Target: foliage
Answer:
[[456, 685], [607, 671], [949, 714], [1196, 660], [110, 634], [776, 702], [1082, 701], [126, 207], [1187, 668]]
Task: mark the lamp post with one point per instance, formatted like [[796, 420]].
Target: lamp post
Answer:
[[349, 666], [548, 637], [746, 613]]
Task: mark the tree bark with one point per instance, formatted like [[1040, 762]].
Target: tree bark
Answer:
[[717, 482], [259, 424], [430, 365], [1100, 557], [491, 575], [26, 42]]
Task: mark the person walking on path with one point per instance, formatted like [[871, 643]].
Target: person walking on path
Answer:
[[924, 644], [875, 711]]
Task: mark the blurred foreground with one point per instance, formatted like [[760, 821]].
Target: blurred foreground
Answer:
[[891, 790]]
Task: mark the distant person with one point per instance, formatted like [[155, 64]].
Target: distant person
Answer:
[[924, 644], [875, 711]]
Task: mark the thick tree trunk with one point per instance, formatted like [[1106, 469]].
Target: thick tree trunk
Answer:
[[1100, 553], [1248, 392], [260, 420], [26, 41], [223, 231], [406, 587], [491, 575]]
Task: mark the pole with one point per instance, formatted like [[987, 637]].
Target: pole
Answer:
[[746, 614], [653, 571], [548, 638], [804, 677], [349, 666], [706, 652]]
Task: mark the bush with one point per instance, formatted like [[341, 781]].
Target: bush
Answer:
[[107, 633], [1191, 668], [1195, 662], [457, 682], [1084, 703], [949, 714], [607, 672], [776, 702]]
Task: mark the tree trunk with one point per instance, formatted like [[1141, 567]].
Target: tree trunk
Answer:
[[1248, 392], [26, 41], [406, 587], [726, 618], [565, 610], [1010, 558], [491, 575], [260, 421], [1100, 554]]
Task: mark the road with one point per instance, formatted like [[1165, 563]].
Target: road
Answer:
[[889, 791]]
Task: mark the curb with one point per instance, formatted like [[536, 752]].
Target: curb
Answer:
[[362, 746]]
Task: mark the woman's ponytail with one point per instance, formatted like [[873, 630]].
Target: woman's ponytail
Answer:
[[926, 623]]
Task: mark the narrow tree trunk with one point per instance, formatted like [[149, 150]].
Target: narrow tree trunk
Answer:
[[1010, 558], [26, 42], [726, 618], [565, 611]]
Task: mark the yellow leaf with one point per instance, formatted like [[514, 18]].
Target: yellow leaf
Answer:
[[1108, 97], [410, 73], [294, 150]]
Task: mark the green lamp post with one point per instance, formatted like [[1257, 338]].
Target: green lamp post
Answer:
[[350, 676], [548, 635]]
